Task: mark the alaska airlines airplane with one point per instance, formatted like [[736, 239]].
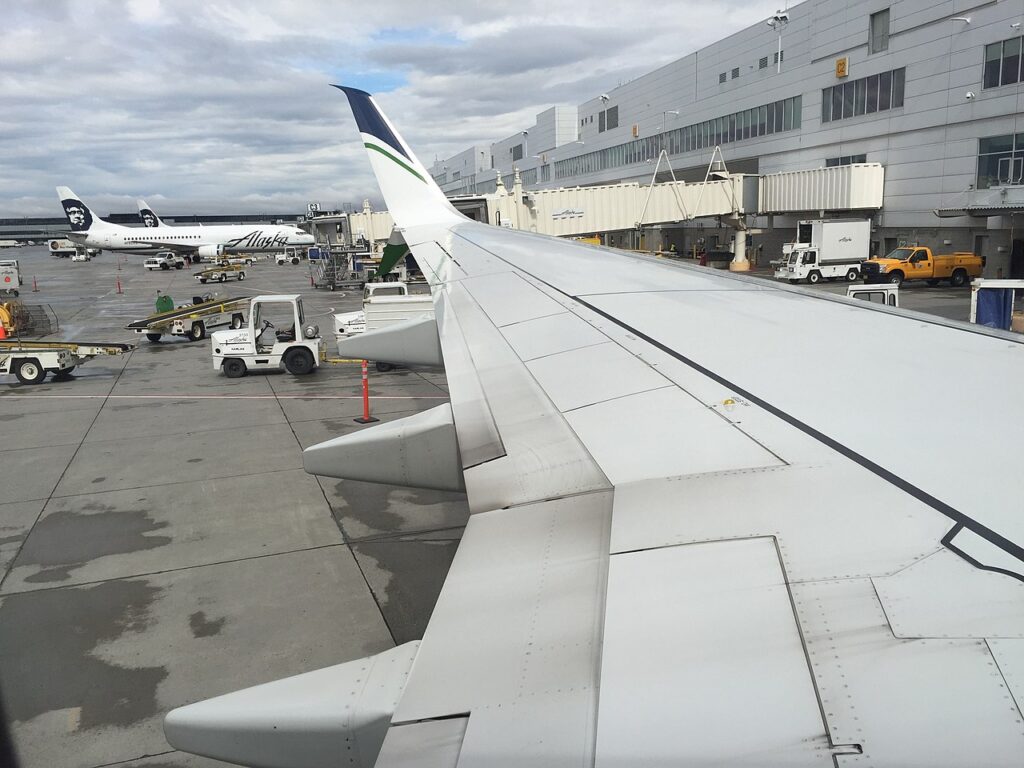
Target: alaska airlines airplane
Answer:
[[90, 230]]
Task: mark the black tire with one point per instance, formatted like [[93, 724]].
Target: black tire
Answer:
[[814, 277], [299, 361], [154, 337], [237, 321], [197, 332], [178, 265], [852, 276], [234, 367], [165, 266], [958, 279], [15, 294], [202, 279], [249, 262], [222, 278], [224, 262], [241, 275], [895, 278], [64, 375], [295, 260], [29, 371], [793, 282], [384, 367], [331, 287]]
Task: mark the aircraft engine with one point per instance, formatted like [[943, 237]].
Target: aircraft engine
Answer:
[[210, 251]]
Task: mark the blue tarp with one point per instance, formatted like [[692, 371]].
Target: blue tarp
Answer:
[[995, 307]]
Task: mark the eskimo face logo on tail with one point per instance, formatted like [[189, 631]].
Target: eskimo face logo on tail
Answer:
[[148, 217], [78, 215], [256, 239]]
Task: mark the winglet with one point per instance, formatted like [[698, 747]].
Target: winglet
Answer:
[[410, 193]]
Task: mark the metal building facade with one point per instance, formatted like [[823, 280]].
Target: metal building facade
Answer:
[[924, 88]]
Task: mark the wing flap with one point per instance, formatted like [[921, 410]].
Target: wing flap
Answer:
[[703, 662], [514, 639]]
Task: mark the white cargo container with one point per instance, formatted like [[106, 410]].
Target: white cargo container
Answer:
[[826, 249]]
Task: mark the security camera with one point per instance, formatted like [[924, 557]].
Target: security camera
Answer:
[[969, 95], [605, 97], [1015, 25]]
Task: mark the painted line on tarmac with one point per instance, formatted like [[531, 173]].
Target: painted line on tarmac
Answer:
[[219, 397]]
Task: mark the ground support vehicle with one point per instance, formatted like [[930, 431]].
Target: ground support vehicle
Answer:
[[992, 304], [62, 248], [333, 269], [825, 250], [192, 320], [221, 274], [886, 294], [262, 346], [10, 277], [917, 263], [384, 304], [164, 260], [30, 361], [243, 261], [81, 256], [283, 258]]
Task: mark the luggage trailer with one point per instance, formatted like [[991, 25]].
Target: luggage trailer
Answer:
[[30, 361], [192, 320]]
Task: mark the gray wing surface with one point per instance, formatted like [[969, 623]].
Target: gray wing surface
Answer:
[[715, 522], [695, 542]]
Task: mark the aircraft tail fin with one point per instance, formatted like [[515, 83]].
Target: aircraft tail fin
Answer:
[[80, 217], [410, 193], [146, 214]]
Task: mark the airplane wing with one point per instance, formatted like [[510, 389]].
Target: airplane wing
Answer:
[[715, 521], [170, 246]]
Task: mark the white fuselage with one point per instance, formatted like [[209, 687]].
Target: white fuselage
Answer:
[[234, 238]]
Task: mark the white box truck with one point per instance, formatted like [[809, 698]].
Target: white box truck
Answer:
[[826, 249]]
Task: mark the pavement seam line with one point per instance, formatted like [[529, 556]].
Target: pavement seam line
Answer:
[[50, 496], [146, 574], [341, 531]]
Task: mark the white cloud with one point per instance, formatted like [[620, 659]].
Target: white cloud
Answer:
[[225, 106]]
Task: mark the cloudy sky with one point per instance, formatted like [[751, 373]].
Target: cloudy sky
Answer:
[[224, 106]]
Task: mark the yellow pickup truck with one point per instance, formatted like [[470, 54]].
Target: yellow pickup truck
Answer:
[[918, 263]]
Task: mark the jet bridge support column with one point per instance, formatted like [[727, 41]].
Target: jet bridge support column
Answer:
[[739, 261]]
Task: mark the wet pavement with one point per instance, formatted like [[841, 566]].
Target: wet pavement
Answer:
[[159, 540]]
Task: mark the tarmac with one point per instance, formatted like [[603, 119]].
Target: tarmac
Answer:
[[159, 541]]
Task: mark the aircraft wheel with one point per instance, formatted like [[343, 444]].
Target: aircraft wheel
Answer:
[[234, 368], [29, 371], [299, 361]]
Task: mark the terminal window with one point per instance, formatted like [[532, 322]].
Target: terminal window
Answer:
[[1003, 63], [878, 32], [517, 152], [832, 162], [1001, 161], [612, 121], [864, 96]]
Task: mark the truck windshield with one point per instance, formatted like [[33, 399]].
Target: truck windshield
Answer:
[[793, 257], [900, 254]]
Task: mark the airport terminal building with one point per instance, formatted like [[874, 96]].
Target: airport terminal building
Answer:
[[931, 91]]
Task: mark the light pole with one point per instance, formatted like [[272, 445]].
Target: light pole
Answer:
[[777, 22]]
